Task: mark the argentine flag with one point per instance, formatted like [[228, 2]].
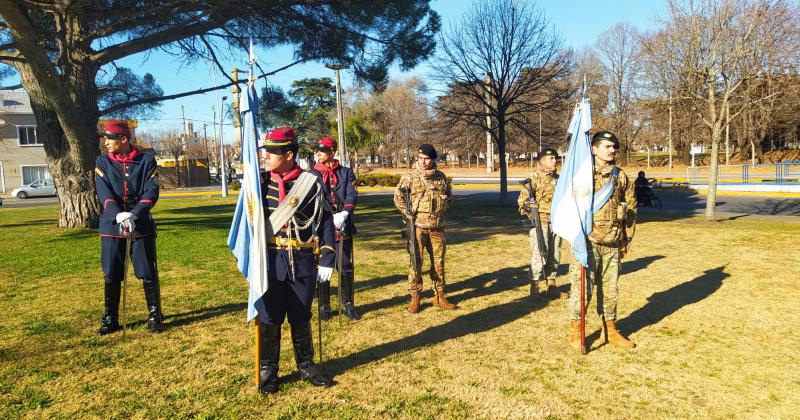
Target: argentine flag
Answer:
[[571, 211], [247, 237]]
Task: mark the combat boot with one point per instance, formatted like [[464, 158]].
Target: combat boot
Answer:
[[536, 290], [269, 356], [574, 340], [441, 301], [304, 356], [324, 303], [347, 296], [413, 306], [553, 291], [615, 337], [152, 294], [110, 320]]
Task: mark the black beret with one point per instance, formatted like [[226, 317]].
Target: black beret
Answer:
[[547, 151], [428, 150], [605, 135]]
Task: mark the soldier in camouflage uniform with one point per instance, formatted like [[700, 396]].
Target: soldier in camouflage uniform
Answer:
[[612, 230], [430, 197], [543, 184]]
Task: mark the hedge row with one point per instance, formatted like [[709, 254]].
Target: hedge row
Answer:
[[384, 180]]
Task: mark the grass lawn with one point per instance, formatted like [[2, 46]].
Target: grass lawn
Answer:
[[712, 307]]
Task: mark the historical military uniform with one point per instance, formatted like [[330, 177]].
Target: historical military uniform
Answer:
[[613, 227], [127, 188], [430, 196], [338, 184], [293, 258], [543, 184]]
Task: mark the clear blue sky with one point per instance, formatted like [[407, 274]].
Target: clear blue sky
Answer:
[[579, 21]]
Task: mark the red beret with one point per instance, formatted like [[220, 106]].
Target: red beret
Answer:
[[115, 129]]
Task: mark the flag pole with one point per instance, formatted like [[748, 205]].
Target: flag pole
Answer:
[[257, 327], [583, 309]]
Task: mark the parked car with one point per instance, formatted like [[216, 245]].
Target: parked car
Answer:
[[42, 187]]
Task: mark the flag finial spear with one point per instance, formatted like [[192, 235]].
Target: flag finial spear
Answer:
[[252, 58]]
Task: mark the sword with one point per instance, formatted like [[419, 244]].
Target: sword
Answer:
[[128, 237]]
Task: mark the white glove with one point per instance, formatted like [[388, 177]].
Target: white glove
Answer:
[[128, 224], [124, 215], [324, 274], [340, 218]]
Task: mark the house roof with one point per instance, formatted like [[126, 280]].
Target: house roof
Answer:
[[15, 103]]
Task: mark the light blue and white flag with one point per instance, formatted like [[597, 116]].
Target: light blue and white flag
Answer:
[[247, 238], [572, 210]]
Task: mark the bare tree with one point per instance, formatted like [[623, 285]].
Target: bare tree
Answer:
[[619, 51], [724, 45], [502, 56], [405, 116]]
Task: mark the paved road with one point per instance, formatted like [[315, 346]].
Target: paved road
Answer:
[[674, 202]]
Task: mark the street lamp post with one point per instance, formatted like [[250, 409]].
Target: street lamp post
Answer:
[[339, 113], [222, 148]]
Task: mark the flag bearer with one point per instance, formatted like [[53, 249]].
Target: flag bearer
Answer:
[[612, 230], [126, 180], [292, 260]]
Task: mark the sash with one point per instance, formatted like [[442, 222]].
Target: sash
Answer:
[[286, 210], [602, 196]]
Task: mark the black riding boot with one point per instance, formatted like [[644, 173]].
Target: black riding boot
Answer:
[[269, 354], [324, 304], [152, 294], [304, 356], [348, 305], [110, 321]]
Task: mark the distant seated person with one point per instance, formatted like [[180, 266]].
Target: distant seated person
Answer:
[[641, 187]]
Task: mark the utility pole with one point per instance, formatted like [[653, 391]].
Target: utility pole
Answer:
[[727, 133], [208, 160], [186, 149], [339, 114], [222, 149]]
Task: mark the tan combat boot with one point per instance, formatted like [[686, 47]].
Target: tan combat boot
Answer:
[[441, 301], [574, 339], [615, 338], [536, 291], [553, 292], [413, 306]]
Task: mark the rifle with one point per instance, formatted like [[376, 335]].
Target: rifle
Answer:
[[411, 228], [535, 221]]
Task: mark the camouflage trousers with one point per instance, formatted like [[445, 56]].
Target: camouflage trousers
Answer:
[[545, 268], [603, 272], [431, 240]]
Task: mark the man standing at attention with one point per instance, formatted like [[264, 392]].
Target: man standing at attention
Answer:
[[430, 196], [127, 187], [338, 185], [613, 226], [543, 184]]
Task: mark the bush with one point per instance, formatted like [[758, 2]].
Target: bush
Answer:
[[384, 180]]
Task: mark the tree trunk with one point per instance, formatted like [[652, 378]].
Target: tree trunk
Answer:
[[501, 149], [70, 140], [711, 201]]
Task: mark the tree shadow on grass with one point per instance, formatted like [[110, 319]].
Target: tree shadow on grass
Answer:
[[471, 323], [663, 304], [507, 279], [50, 222]]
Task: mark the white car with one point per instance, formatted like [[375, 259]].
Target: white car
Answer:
[[42, 187]]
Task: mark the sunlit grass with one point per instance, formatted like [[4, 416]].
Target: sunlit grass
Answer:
[[712, 308]]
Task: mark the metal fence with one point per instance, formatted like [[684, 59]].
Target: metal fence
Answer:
[[778, 173]]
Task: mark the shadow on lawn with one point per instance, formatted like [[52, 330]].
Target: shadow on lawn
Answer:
[[470, 323], [663, 304], [507, 279], [638, 264]]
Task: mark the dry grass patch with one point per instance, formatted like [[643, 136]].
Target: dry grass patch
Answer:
[[711, 307]]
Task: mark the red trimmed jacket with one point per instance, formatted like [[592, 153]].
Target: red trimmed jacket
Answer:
[[126, 183]]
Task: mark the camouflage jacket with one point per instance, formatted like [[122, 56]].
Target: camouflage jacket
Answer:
[[615, 223], [543, 183], [430, 197]]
